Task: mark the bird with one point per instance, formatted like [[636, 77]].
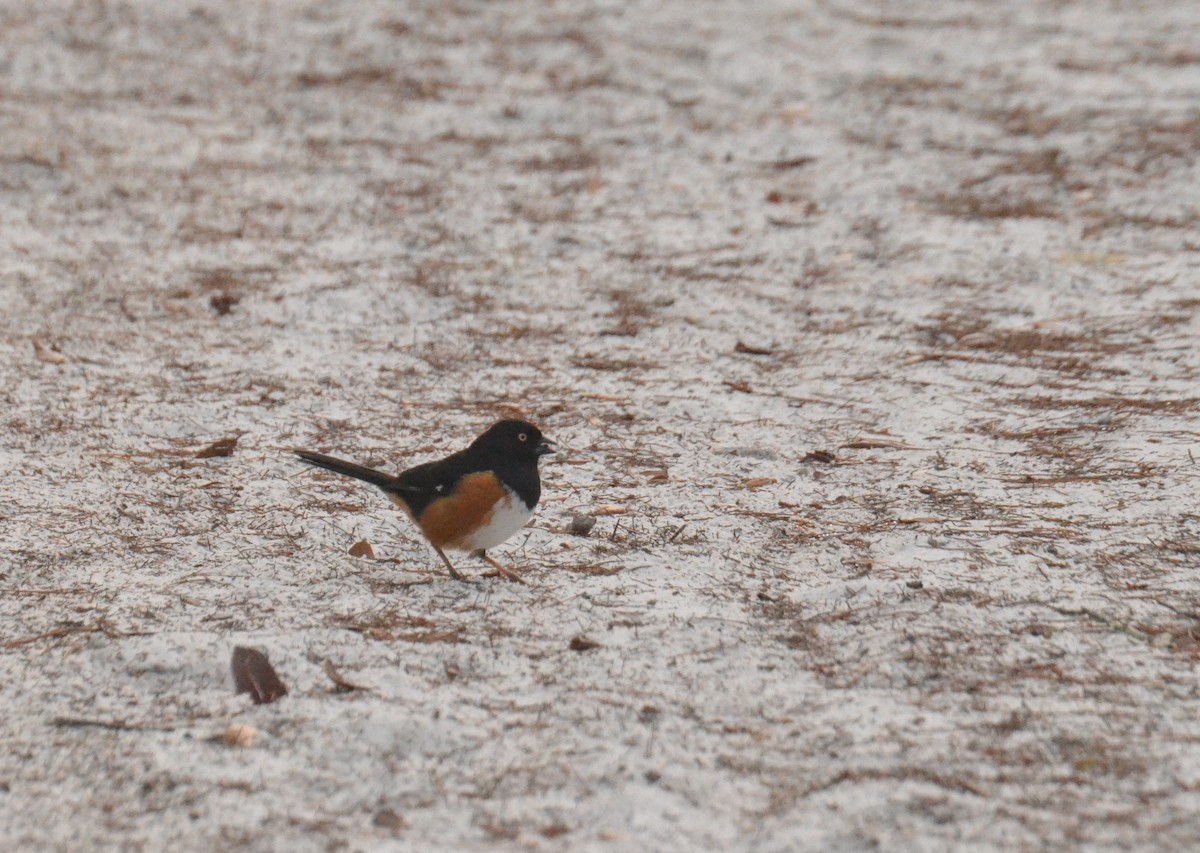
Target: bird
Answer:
[[471, 500]]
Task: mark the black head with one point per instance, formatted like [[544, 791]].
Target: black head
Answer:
[[513, 439]]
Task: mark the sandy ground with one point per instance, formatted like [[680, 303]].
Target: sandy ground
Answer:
[[869, 330]]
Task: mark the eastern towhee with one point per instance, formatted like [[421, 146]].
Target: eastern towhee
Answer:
[[473, 499]]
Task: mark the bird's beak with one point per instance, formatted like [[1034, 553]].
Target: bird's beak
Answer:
[[545, 446]]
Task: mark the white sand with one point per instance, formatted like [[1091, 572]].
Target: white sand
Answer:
[[965, 236]]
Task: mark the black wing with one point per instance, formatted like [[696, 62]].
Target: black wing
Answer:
[[421, 485]]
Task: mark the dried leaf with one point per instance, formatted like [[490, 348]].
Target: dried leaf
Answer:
[[46, 353], [221, 447], [389, 819], [744, 387], [759, 482], [239, 734], [658, 475], [362, 548], [823, 456], [610, 509], [580, 643], [253, 674], [223, 302], [343, 686]]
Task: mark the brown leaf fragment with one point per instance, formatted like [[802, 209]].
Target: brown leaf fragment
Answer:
[[658, 475], [823, 456], [240, 735], [744, 387], [792, 163], [220, 447], [580, 643], [223, 302], [501, 831], [253, 674], [389, 819], [342, 685], [610, 509], [45, 352], [749, 349], [759, 482], [624, 329], [362, 548], [554, 830]]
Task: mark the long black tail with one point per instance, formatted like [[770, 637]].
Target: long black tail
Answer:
[[341, 466]]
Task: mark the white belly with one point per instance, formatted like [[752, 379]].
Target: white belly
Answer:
[[508, 516]]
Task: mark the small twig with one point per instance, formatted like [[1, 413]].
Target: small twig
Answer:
[[915, 774], [57, 632], [750, 349], [1094, 615], [71, 590], [342, 685], [1192, 614], [112, 725]]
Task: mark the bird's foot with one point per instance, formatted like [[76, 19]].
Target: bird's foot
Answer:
[[507, 574]]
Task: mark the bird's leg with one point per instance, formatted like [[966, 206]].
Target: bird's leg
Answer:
[[453, 571], [507, 574]]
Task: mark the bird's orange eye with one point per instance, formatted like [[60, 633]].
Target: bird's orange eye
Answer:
[[522, 437]]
